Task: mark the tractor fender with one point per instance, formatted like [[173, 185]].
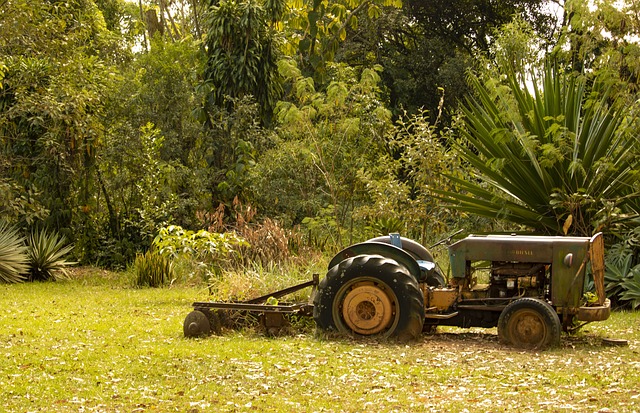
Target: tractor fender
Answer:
[[379, 248], [430, 272], [417, 250]]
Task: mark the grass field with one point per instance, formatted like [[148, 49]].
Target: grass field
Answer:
[[94, 344]]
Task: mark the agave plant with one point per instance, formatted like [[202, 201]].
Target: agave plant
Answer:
[[13, 255], [559, 159], [46, 251]]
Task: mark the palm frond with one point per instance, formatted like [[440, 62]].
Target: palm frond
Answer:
[[542, 155]]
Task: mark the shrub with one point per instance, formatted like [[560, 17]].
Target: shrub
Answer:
[[174, 240], [256, 279], [13, 255], [631, 285], [622, 277], [267, 242], [153, 270], [46, 251], [206, 250], [560, 159]]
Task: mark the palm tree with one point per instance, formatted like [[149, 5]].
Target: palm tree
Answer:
[[560, 159]]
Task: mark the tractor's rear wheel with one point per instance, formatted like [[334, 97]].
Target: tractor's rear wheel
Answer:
[[369, 296], [529, 323]]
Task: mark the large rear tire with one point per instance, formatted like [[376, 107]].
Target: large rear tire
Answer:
[[529, 323], [369, 296]]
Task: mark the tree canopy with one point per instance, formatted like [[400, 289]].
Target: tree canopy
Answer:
[[341, 118]]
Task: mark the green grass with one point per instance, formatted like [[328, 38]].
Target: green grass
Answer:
[[94, 344]]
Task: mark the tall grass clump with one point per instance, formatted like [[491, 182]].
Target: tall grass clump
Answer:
[[271, 258], [153, 270], [46, 251], [254, 280], [13, 255]]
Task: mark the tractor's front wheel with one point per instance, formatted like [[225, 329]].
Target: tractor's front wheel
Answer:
[[370, 296], [529, 323]]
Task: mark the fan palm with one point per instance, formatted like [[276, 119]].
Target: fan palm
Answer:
[[13, 255], [46, 253], [559, 159]]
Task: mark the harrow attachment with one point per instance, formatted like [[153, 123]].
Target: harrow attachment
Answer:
[[265, 311]]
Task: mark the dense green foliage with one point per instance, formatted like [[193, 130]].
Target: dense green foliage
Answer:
[[331, 121], [325, 139], [50, 104], [428, 45], [242, 53]]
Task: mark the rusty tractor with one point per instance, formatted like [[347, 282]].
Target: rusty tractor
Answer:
[[529, 287]]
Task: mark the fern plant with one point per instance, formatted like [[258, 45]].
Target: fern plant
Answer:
[[13, 255], [46, 253], [153, 270]]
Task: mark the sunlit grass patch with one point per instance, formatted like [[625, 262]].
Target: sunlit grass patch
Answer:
[[257, 280], [92, 345]]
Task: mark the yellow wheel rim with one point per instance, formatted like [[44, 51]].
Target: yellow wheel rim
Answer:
[[367, 309], [526, 328]]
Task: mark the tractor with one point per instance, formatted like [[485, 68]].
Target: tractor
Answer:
[[529, 287]]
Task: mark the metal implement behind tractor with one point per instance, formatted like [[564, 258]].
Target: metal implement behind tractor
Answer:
[[267, 311], [530, 287]]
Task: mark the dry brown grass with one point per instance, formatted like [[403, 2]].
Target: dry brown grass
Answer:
[[269, 242]]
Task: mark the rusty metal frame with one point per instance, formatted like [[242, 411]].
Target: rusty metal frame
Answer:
[[259, 305]]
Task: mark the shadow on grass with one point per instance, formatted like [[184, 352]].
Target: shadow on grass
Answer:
[[488, 340]]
